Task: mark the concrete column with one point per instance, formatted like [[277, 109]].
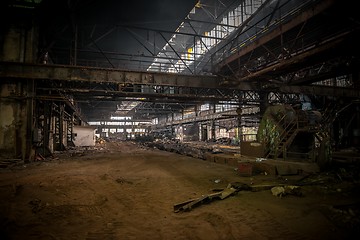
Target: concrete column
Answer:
[[19, 43], [213, 135], [61, 127], [14, 120]]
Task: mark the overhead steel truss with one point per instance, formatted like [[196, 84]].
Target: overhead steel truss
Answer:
[[294, 49], [267, 26], [103, 75], [155, 85], [98, 94]]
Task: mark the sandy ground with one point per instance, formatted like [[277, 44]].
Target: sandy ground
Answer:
[[128, 192]]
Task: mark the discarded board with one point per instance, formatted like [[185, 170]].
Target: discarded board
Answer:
[[276, 189], [190, 204]]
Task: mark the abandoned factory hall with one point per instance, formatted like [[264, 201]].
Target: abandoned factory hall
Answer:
[[179, 119]]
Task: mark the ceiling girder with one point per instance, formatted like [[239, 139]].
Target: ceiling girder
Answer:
[[193, 83], [301, 18], [103, 75]]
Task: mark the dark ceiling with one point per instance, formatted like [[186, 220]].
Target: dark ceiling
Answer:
[[114, 28]]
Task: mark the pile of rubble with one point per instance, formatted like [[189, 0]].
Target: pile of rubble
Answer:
[[192, 149]]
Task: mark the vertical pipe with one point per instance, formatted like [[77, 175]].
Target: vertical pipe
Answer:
[[27, 149], [194, 56], [46, 126], [75, 44], [61, 127]]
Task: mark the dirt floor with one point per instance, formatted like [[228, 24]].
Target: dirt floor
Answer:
[[124, 191]]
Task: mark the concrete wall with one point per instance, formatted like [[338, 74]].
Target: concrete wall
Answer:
[[13, 121], [18, 43], [84, 136]]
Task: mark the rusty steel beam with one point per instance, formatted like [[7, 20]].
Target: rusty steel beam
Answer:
[[320, 90], [297, 61], [104, 75], [301, 18], [212, 116], [109, 95], [10, 70]]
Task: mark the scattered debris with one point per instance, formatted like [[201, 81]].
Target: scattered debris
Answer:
[[39, 157], [217, 181], [278, 191], [193, 149], [217, 150], [260, 159], [122, 181], [281, 191], [263, 187], [100, 140]]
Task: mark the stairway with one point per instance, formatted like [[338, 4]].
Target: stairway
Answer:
[[287, 134]]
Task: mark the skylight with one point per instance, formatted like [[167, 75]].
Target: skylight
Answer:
[[204, 39]]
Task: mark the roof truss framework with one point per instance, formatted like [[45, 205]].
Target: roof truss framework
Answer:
[[293, 46], [285, 60]]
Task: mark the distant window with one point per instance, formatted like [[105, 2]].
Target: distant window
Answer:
[[205, 107]]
